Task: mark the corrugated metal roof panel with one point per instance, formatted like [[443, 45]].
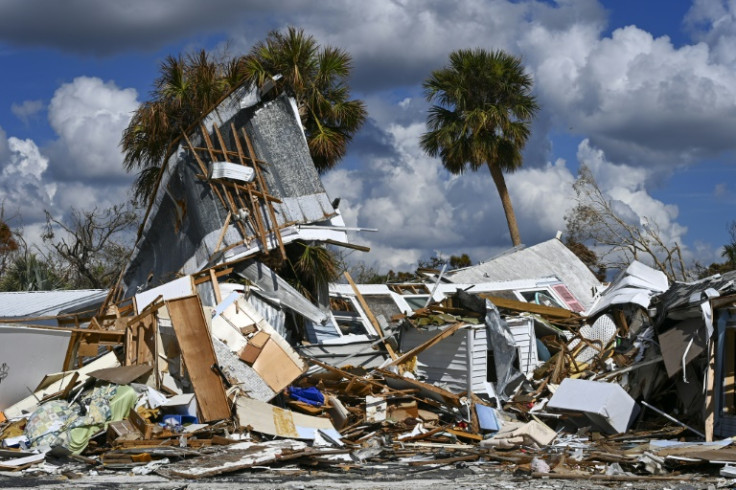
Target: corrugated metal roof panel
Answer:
[[22, 304]]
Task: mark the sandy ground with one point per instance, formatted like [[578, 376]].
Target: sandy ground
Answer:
[[395, 478]]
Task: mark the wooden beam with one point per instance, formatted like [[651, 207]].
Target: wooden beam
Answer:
[[353, 246], [190, 327], [264, 189], [710, 400], [370, 316], [514, 305], [429, 343]]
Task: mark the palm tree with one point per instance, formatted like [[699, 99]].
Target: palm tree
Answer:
[[28, 272], [189, 87], [317, 77], [482, 115], [186, 90], [309, 268]]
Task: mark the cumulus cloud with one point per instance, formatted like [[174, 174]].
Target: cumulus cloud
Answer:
[[27, 110], [89, 116], [421, 210], [714, 23], [82, 168], [635, 99], [640, 99], [22, 189]]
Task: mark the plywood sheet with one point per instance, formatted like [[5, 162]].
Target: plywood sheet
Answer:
[[196, 348], [276, 367]]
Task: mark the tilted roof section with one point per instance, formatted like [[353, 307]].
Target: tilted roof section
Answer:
[[544, 259], [34, 304], [185, 228]]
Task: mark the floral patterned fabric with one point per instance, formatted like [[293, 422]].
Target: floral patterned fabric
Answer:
[[57, 423]]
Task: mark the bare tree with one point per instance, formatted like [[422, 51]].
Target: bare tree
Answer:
[[9, 239], [92, 246], [595, 220]]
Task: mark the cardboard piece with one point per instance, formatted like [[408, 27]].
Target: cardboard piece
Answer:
[[267, 419], [604, 405], [276, 367], [403, 411], [515, 434], [254, 347], [122, 430]]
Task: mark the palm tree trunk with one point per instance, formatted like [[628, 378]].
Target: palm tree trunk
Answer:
[[508, 209]]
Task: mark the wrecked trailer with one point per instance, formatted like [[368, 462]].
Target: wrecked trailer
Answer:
[[208, 362], [351, 418]]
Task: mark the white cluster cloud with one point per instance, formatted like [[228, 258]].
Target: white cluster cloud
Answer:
[[27, 110], [89, 116], [420, 210], [82, 168], [642, 106], [714, 23]]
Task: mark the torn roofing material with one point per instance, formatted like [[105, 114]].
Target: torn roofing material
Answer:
[[37, 304], [637, 284], [194, 222], [683, 295], [541, 260]]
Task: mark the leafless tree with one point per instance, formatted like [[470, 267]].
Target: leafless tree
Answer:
[[92, 246], [595, 220]]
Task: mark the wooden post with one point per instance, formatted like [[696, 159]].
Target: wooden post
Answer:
[[370, 316], [710, 405]]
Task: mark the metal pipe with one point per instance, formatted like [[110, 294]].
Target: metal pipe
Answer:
[[673, 419]]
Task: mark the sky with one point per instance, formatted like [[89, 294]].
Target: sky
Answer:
[[643, 93]]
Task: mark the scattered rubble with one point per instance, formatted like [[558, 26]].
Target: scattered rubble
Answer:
[[204, 362]]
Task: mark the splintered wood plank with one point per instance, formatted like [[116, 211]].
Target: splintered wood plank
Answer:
[[252, 200], [227, 199], [254, 206], [710, 400], [196, 348], [371, 318], [514, 305], [264, 189]]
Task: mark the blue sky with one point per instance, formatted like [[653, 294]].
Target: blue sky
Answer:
[[644, 93]]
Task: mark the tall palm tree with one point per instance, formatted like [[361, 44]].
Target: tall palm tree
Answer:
[[482, 113], [317, 77]]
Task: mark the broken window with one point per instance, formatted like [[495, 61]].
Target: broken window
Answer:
[[416, 301], [542, 297], [347, 317]]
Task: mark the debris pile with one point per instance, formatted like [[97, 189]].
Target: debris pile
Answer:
[[204, 361]]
